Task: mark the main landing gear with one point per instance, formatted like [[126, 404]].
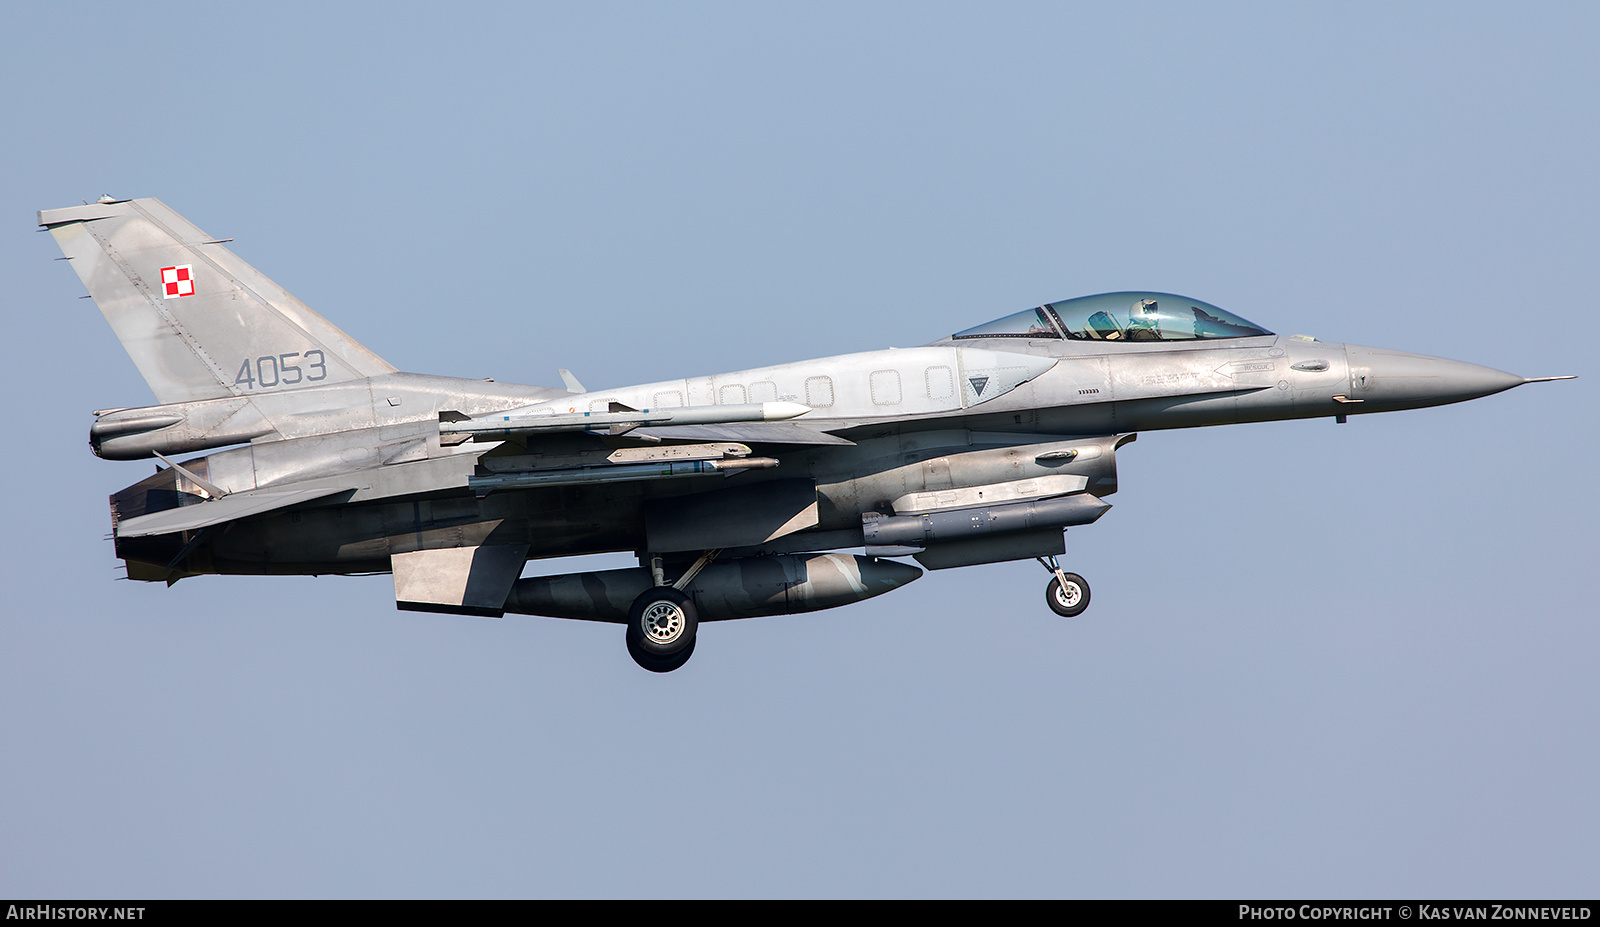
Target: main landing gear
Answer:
[[663, 620], [661, 629], [1067, 593]]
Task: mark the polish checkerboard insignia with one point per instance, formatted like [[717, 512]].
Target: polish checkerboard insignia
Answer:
[[178, 281]]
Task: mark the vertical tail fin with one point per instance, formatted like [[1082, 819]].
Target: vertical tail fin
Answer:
[[198, 322]]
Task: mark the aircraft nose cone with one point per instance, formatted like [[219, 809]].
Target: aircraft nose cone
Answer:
[[1395, 378]]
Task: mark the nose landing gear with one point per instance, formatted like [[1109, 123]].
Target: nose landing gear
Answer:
[[1068, 593]]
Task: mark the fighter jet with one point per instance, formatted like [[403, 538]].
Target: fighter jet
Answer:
[[760, 492]]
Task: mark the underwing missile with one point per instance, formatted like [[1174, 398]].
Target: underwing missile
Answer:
[[619, 418], [616, 473]]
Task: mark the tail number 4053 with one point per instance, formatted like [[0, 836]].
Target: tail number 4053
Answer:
[[271, 370]]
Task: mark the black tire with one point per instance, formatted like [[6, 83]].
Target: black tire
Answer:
[[659, 664], [1072, 602], [662, 622]]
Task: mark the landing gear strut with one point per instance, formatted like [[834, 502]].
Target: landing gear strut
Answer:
[[1067, 593]]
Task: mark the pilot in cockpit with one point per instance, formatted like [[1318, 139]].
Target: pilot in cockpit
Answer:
[[1144, 323]]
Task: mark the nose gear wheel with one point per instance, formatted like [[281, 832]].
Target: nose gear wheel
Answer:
[[1068, 593]]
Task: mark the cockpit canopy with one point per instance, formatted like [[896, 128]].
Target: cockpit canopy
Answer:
[[1120, 317]]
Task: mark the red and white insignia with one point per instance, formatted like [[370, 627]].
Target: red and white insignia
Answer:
[[178, 281]]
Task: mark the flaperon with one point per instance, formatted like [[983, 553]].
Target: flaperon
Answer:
[[743, 494]]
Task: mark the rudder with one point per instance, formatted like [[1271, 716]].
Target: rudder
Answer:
[[198, 322]]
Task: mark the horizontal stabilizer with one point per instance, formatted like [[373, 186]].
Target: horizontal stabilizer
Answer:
[[228, 508]]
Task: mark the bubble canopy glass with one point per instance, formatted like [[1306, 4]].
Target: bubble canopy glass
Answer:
[[1120, 317]]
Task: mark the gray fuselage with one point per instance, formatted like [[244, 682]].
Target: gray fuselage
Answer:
[[955, 413]]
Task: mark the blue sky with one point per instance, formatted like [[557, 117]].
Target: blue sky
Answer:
[[1321, 660]]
